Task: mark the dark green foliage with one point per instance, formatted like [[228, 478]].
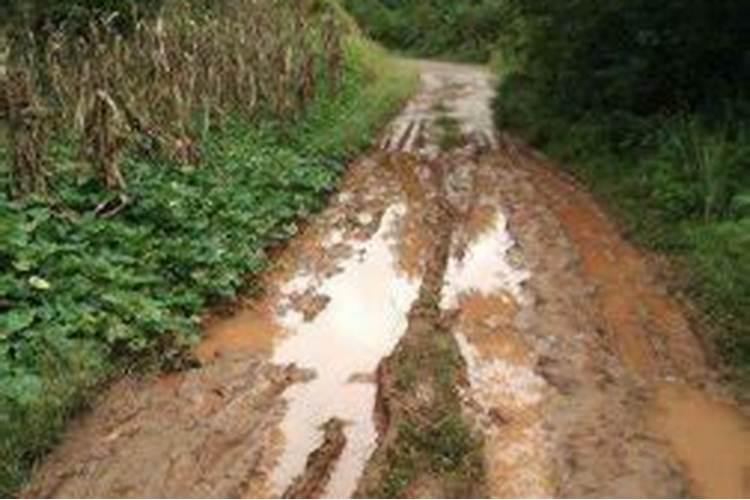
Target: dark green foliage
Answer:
[[79, 291], [45, 16], [630, 55], [464, 29]]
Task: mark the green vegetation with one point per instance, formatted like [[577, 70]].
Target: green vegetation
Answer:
[[97, 278], [431, 442], [465, 30], [449, 132], [429, 448], [649, 106]]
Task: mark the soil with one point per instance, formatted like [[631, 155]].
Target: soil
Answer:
[[463, 319]]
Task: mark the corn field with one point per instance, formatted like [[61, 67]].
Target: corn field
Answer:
[[161, 85]]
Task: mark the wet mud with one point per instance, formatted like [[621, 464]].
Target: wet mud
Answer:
[[710, 437], [190, 435], [461, 290]]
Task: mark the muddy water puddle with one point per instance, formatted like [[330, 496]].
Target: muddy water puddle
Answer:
[[250, 330], [710, 438], [343, 344], [487, 265], [336, 306], [505, 395]]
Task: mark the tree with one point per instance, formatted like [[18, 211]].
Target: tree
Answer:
[[634, 55]]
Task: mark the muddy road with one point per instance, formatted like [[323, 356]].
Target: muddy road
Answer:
[[462, 320]]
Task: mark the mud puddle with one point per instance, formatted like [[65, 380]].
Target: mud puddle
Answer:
[[364, 318], [251, 330], [484, 284], [711, 439], [460, 291], [486, 266]]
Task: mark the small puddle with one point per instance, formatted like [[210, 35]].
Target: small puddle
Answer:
[[486, 266], [250, 330], [710, 438], [364, 317]]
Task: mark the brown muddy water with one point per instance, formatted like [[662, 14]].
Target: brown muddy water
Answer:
[[364, 318], [582, 374], [339, 309], [711, 439], [504, 392]]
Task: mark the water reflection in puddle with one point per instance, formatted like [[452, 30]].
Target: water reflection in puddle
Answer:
[[505, 394], [485, 267], [362, 322]]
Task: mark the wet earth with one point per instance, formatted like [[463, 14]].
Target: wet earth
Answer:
[[582, 374]]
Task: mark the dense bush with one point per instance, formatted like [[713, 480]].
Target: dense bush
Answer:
[[631, 55], [443, 28]]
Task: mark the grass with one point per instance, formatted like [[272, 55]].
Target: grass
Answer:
[[677, 185], [430, 447], [84, 297], [449, 132]]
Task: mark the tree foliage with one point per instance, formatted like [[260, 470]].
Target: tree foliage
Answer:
[[632, 55], [445, 28]]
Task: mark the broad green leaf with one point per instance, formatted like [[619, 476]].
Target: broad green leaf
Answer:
[[15, 321]]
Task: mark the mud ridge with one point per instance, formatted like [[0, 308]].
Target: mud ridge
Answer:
[[212, 428], [320, 463], [625, 357]]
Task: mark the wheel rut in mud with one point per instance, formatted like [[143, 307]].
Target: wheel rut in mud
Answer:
[[462, 320]]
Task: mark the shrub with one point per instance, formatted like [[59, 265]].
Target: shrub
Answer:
[[458, 30]]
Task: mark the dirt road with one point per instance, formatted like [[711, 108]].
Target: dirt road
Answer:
[[462, 319]]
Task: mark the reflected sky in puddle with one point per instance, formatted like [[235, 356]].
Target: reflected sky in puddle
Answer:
[[362, 323], [485, 267], [505, 394]]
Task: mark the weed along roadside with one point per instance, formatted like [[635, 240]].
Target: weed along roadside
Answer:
[[106, 267]]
